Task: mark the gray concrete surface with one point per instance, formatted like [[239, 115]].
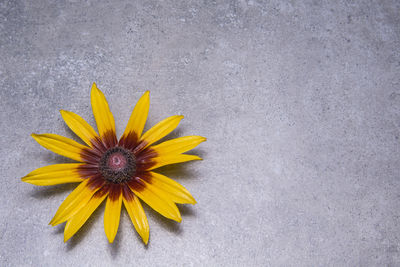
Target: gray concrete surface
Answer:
[[300, 102]]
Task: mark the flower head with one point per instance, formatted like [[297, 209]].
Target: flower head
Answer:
[[120, 171]]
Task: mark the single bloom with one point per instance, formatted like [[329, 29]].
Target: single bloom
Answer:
[[118, 171]]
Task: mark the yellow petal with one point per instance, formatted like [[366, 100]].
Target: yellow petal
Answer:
[[54, 174], [60, 145], [177, 145], [112, 215], [137, 215], [166, 160], [73, 203], [76, 222], [101, 111], [175, 191], [157, 201], [160, 130], [79, 126], [138, 117]]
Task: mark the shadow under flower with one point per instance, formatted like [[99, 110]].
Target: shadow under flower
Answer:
[[186, 210], [169, 225], [84, 230], [180, 170], [46, 192], [114, 247]]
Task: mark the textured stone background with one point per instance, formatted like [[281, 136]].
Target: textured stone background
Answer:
[[300, 102]]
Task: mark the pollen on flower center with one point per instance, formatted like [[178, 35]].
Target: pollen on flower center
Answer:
[[116, 161], [117, 165]]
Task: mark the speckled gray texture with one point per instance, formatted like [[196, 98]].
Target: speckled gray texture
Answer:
[[300, 102]]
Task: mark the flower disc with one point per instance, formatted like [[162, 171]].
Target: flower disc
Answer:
[[117, 165]]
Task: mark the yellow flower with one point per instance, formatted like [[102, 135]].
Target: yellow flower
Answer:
[[121, 171]]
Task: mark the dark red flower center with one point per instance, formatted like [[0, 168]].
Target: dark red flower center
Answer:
[[117, 165], [117, 161]]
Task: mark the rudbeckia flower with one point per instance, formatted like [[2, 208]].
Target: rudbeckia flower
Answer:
[[120, 171]]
